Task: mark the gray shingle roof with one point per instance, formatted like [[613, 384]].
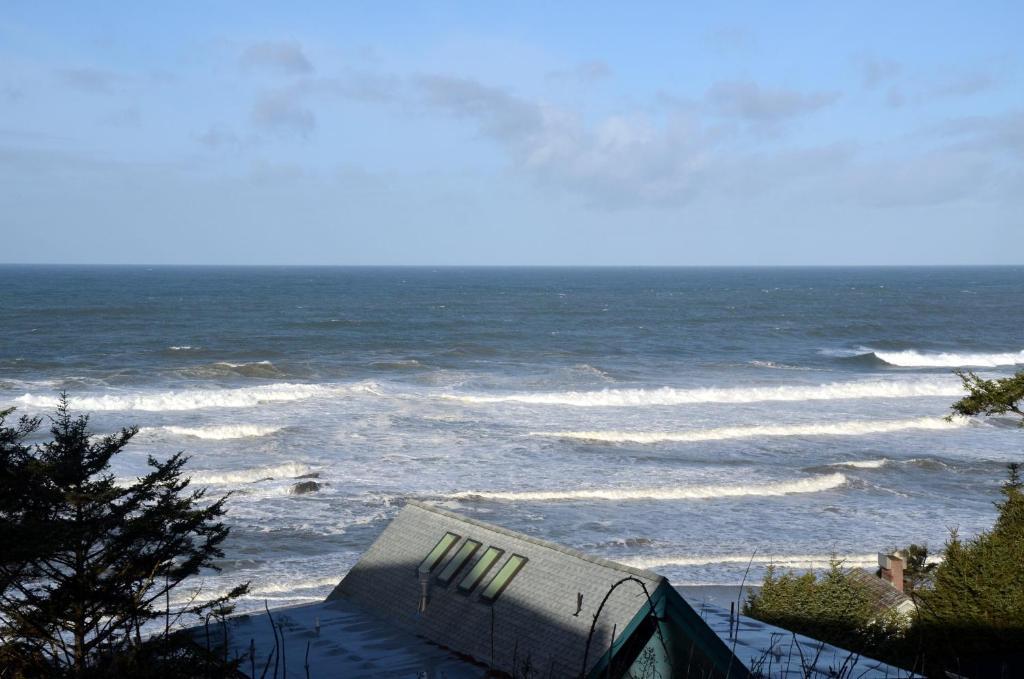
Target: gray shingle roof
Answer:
[[885, 596], [532, 619]]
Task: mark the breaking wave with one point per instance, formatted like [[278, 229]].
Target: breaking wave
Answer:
[[288, 470], [852, 428], [219, 433], [808, 485], [916, 359], [667, 396], [290, 586], [254, 369], [262, 588], [783, 561], [195, 399], [862, 464]]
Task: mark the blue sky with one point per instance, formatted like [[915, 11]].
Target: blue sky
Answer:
[[538, 133]]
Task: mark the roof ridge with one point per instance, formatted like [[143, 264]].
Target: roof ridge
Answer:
[[865, 576], [568, 551]]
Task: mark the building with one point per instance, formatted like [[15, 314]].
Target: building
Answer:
[[885, 589], [443, 595], [520, 605]]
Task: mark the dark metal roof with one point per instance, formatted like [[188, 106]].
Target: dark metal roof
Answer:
[[539, 618]]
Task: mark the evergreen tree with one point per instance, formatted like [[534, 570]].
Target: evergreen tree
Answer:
[[991, 397], [917, 572], [15, 537], [833, 607], [86, 562], [975, 608]]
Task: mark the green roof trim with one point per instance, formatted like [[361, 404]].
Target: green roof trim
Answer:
[[703, 652]]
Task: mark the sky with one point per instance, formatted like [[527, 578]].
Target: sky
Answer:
[[437, 133]]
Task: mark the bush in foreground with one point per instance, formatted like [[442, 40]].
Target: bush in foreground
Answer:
[[833, 607]]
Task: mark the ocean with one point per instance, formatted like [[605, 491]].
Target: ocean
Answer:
[[687, 420]]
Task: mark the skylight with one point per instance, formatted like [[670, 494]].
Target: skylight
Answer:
[[438, 552], [480, 569], [467, 550], [500, 581]]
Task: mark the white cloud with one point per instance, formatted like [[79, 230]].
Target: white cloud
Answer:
[[751, 102], [287, 58], [284, 113], [91, 80]]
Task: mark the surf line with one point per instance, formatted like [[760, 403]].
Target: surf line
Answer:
[[850, 428]]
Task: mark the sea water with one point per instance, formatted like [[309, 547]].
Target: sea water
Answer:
[[696, 422]]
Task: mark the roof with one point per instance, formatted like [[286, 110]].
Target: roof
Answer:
[[541, 619], [351, 643], [777, 653], [884, 595], [371, 624]]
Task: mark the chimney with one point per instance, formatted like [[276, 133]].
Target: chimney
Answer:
[[892, 570]]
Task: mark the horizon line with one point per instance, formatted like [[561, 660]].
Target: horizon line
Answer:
[[506, 266]]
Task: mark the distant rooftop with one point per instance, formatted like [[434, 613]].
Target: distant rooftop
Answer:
[[885, 597]]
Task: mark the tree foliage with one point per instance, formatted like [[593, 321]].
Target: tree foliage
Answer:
[[991, 397], [917, 571], [975, 607], [970, 607], [833, 607], [86, 561]]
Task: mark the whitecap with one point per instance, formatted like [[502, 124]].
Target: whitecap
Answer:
[[862, 464], [700, 492], [288, 470], [916, 359], [218, 433], [667, 396], [851, 428], [811, 561], [195, 399], [228, 364]]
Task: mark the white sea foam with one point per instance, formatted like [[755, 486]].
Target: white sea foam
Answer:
[[184, 347], [218, 433], [288, 470], [852, 428], [916, 359], [862, 464], [195, 399], [703, 492], [667, 396], [783, 561], [260, 588], [289, 586], [228, 364]]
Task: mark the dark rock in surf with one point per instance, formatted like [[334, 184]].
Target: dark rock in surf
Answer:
[[305, 487]]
